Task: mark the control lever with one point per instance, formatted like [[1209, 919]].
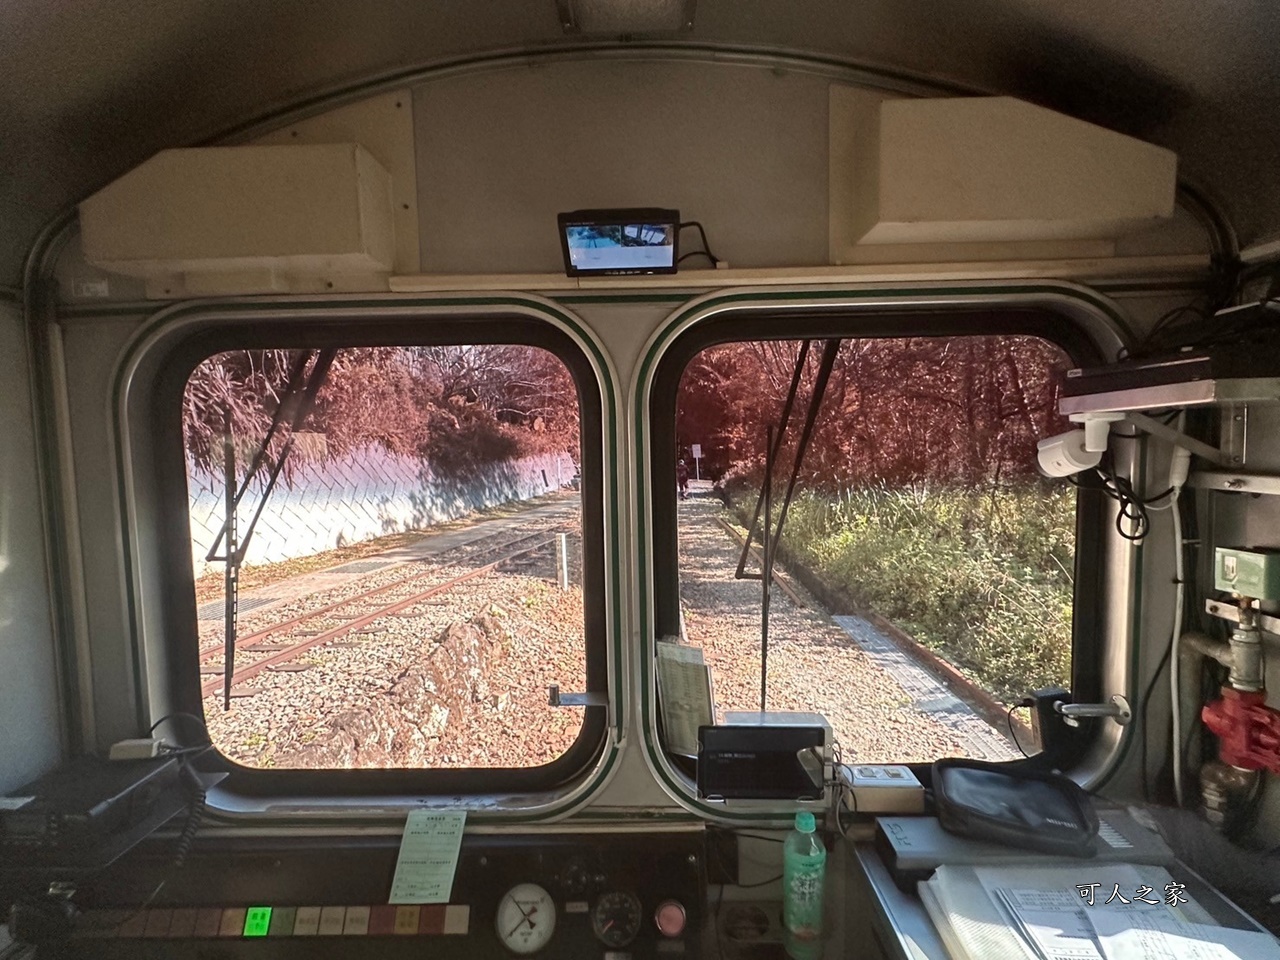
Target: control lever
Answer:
[[1117, 707], [558, 699]]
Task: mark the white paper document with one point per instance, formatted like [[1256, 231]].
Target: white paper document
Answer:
[[1159, 935], [1056, 933], [1045, 904], [1056, 922], [684, 689], [428, 857]]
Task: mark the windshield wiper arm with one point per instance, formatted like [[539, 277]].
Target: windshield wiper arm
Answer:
[[302, 388]]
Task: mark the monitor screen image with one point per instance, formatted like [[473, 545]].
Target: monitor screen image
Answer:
[[619, 242]]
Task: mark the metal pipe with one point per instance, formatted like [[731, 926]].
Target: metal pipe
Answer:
[[1245, 666], [1196, 644], [1241, 655], [1200, 644]]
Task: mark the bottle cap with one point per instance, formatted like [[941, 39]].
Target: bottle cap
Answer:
[[805, 822]]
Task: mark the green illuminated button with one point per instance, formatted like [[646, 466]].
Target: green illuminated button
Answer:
[[257, 921]]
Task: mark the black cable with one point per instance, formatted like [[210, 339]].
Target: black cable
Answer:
[[1133, 508], [137, 911], [191, 779], [706, 247], [1169, 323], [190, 752], [759, 883], [716, 921], [846, 792], [696, 253], [1145, 702], [180, 713], [195, 813], [1024, 702]]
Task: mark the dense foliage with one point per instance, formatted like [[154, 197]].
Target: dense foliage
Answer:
[[459, 408], [945, 409], [919, 497], [984, 577]]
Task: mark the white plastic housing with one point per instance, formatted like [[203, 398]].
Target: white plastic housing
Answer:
[[242, 219], [1066, 454], [987, 169]]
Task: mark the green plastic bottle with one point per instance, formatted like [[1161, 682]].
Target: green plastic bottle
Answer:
[[804, 867]]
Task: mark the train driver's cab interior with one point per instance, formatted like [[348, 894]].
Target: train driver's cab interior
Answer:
[[673, 479]]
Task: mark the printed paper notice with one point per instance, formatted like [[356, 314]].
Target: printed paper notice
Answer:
[[1052, 923], [1159, 935], [684, 688], [428, 857]]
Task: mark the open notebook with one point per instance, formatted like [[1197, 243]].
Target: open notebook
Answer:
[[1043, 913]]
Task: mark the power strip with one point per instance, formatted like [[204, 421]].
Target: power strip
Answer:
[[884, 788]]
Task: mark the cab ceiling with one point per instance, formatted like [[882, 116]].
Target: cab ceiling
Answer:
[[93, 87]]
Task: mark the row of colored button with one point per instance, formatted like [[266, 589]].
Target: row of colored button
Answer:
[[208, 922]]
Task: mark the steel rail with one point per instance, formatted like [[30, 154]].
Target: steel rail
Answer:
[[208, 653], [288, 653], [779, 578]]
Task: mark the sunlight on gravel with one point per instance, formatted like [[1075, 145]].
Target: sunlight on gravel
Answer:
[[458, 679], [353, 708], [814, 666]]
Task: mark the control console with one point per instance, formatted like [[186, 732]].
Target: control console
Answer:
[[615, 895]]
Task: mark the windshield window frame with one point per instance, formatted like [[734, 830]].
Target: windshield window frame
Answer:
[[738, 323], [153, 462]]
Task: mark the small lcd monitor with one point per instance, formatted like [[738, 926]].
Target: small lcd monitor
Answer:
[[611, 243]]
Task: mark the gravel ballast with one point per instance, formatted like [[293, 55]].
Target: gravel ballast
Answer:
[[460, 679], [814, 665]]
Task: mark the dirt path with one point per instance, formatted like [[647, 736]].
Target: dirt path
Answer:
[[815, 664]]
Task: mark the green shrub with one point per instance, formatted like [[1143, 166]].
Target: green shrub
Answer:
[[982, 576]]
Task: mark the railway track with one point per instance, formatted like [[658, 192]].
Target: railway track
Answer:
[[268, 654], [209, 651]]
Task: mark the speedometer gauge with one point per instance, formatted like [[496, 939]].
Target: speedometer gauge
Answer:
[[616, 918], [526, 918]]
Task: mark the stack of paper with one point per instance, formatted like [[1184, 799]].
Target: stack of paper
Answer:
[[1063, 913]]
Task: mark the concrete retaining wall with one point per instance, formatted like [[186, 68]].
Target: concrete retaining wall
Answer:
[[367, 493]]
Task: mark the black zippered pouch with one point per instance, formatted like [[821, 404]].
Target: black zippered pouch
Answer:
[[1033, 811]]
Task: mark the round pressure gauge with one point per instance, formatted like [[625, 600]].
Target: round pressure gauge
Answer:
[[526, 918], [616, 918]]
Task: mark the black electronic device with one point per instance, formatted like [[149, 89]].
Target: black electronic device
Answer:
[[746, 762], [1186, 366], [637, 240], [87, 805], [1189, 375], [913, 847]]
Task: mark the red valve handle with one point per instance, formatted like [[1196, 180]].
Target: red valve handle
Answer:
[[1247, 729]]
